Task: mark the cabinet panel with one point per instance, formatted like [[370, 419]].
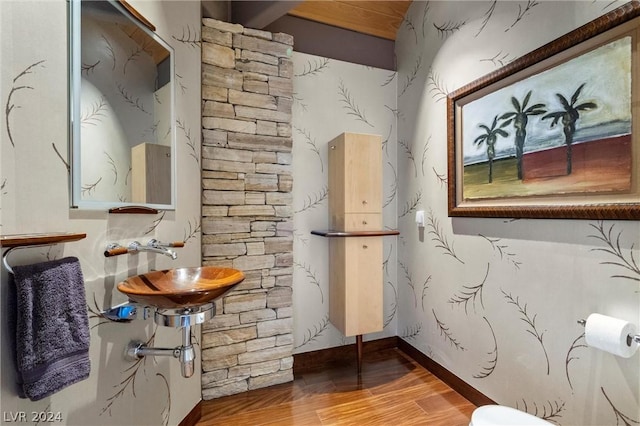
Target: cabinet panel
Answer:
[[358, 222], [356, 283], [363, 174], [337, 283], [355, 174]]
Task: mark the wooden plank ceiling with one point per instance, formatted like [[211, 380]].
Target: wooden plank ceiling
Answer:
[[377, 18]]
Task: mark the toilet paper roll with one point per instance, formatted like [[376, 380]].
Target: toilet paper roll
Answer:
[[610, 335]]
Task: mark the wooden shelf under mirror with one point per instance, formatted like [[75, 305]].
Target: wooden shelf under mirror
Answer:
[[133, 210]]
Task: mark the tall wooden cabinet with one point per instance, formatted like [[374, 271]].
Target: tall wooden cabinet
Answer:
[[355, 205], [355, 235]]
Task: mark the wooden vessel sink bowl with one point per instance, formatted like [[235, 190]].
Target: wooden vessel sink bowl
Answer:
[[180, 287]]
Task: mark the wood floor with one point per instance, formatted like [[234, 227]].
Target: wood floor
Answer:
[[392, 390]]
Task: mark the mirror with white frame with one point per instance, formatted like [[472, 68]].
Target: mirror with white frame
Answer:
[[121, 96]]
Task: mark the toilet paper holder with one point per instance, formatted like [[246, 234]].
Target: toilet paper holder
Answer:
[[630, 338]]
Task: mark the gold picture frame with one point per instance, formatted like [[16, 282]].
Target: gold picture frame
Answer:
[[553, 134]]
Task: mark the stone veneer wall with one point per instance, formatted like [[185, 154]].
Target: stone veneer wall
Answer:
[[247, 95]]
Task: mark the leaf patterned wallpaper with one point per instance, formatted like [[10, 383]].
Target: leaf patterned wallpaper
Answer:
[[34, 181], [496, 301], [332, 97]]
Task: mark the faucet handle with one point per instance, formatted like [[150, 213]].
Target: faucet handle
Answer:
[[155, 243], [115, 250]]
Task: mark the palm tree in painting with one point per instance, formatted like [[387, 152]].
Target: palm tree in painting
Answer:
[[569, 116], [489, 138], [520, 119]]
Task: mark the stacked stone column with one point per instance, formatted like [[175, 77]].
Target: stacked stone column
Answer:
[[247, 95]]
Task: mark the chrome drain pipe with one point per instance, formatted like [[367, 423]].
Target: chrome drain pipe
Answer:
[[139, 349], [184, 353], [187, 354], [183, 318]]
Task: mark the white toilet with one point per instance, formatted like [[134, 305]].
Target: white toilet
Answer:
[[498, 415]]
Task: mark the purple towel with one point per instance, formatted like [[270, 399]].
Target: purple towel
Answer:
[[52, 329]]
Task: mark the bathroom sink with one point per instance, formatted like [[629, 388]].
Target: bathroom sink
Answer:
[[180, 287]]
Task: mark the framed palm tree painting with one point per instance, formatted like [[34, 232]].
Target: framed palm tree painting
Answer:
[[550, 135]]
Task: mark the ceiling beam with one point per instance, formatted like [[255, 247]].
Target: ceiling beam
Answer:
[[369, 17], [216, 9], [259, 14], [336, 43]]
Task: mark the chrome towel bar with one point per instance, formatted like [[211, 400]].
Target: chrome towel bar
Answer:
[[5, 255]]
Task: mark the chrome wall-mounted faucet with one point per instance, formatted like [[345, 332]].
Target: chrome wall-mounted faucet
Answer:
[[153, 246]]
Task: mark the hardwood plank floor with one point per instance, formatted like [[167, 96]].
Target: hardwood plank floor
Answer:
[[392, 390]]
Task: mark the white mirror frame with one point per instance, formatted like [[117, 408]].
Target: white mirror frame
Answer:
[[75, 80]]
